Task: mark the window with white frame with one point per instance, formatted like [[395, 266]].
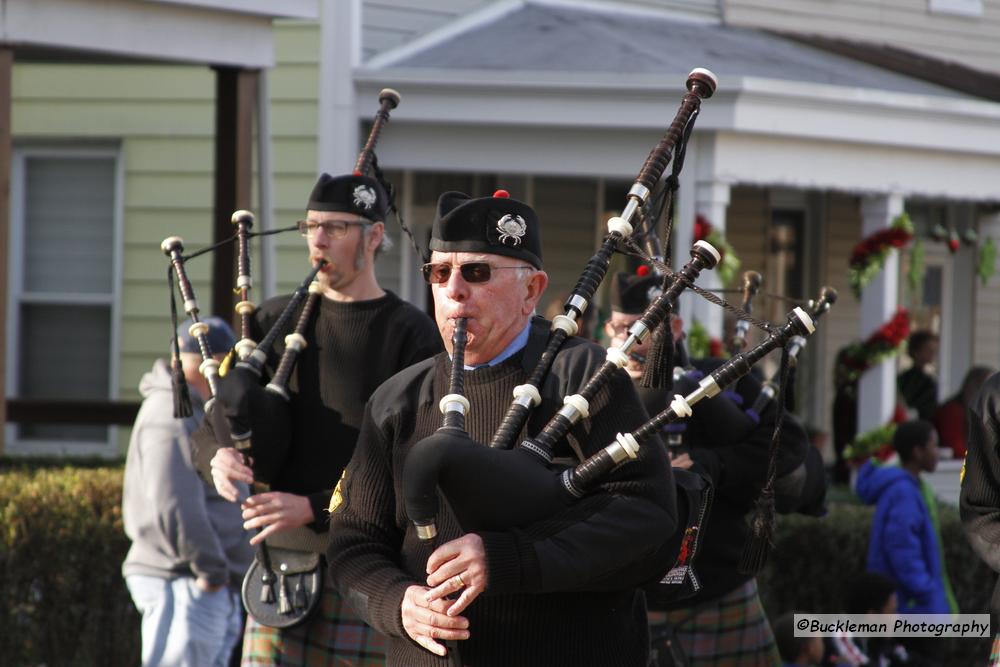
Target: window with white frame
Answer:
[[64, 277]]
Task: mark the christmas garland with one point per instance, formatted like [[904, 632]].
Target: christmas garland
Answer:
[[870, 443], [730, 263], [986, 266], [986, 251], [868, 256], [700, 345], [952, 238], [856, 358]]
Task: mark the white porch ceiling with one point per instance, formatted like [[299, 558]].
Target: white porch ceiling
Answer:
[[209, 32]]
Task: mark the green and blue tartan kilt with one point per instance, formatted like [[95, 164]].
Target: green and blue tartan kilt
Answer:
[[334, 637], [729, 632], [995, 651]]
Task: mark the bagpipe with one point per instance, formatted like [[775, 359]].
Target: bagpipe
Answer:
[[284, 583], [741, 412], [513, 484]]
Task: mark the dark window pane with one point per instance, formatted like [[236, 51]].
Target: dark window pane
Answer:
[[69, 225], [64, 351]]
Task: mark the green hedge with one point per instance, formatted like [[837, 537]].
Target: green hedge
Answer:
[[62, 597], [63, 600], [814, 560]]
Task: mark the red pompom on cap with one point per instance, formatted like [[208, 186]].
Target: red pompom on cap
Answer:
[[503, 194], [642, 271]]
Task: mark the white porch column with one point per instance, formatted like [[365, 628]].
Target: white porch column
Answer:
[[684, 212], [337, 127], [711, 202], [877, 387]]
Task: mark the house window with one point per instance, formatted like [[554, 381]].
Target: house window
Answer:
[[64, 277], [959, 7]]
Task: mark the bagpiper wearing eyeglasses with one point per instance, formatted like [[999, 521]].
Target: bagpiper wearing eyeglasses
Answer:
[[359, 335], [559, 592]]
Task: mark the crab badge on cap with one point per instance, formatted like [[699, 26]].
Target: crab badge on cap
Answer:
[[364, 197], [360, 195], [511, 228]]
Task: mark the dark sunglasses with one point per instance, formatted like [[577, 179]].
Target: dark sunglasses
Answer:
[[472, 272]]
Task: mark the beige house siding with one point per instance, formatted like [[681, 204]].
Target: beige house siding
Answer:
[[838, 223], [568, 210], [986, 323], [747, 221], [161, 117], [903, 23], [163, 120], [293, 85], [842, 232]]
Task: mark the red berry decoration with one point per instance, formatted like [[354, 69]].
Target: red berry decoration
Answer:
[[953, 245], [502, 194], [702, 227], [642, 271]]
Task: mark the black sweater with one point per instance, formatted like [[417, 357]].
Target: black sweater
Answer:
[[353, 346], [979, 503], [548, 600]]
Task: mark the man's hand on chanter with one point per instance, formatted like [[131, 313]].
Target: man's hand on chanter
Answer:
[[275, 511], [426, 621], [457, 566], [228, 467]]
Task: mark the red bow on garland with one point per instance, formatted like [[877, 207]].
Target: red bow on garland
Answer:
[[868, 256], [856, 358]]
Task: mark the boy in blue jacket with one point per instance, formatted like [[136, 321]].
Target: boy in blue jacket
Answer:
[[905, 539]]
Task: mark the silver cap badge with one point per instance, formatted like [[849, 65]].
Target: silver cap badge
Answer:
[[511, 227]]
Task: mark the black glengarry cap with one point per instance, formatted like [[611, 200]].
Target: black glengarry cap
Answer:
[[351, 193], [496, 225]]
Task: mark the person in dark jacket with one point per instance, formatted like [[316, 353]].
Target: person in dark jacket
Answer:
[[917, 387], [979, 502], [560, 591], [905, 537]]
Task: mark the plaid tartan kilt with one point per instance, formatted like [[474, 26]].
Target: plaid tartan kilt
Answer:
[[729, 632], [334, 637]]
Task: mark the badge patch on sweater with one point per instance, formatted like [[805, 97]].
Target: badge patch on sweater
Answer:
[[337, 498]]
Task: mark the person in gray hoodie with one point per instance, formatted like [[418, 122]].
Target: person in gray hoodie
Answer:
[[189, 549]]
